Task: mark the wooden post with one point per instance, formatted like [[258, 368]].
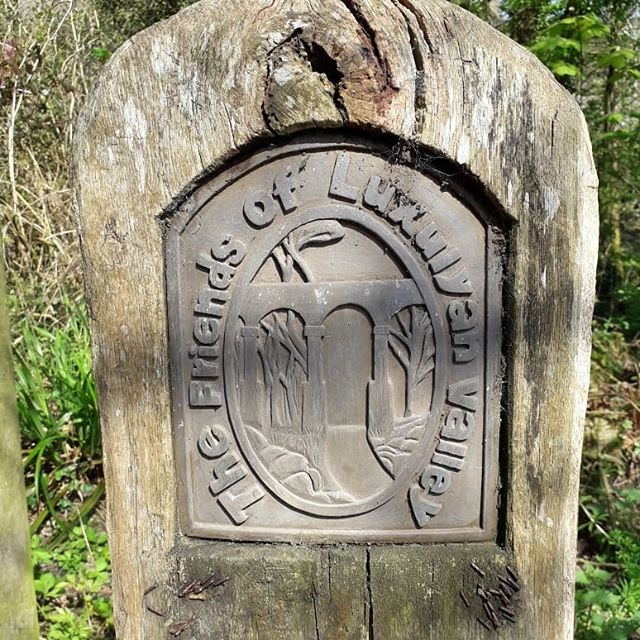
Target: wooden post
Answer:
[[278, 165], [18, 619]]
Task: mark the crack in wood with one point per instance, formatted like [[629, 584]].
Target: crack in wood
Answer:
[[369, 596], [270, 119], [414, 31], [385, 77], [422, 25], [312, 56], [314, 596], [322, 63]]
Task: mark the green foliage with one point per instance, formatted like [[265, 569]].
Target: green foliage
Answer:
[[56, 392], [72, 586], [596, 55], [58, 411], [120, 20], [100, 53], [563, 43], [593, 48], [608, 583], [51, 53]]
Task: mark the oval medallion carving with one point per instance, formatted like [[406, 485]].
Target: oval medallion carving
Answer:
[[326, 306]]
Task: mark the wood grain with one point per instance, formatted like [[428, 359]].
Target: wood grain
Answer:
[[180, 99]]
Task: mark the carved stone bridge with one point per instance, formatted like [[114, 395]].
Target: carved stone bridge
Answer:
[[313, 302]]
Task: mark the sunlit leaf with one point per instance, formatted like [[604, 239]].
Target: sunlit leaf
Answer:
[[565, 69]]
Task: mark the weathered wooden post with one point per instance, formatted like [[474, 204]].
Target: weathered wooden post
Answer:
[[340, 267], [18, 618]]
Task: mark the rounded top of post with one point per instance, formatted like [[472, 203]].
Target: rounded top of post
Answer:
[[180, 98]]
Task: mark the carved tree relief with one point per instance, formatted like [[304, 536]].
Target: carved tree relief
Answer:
[[411, 340]]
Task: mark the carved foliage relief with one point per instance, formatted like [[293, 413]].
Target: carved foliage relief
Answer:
[[334, 329]]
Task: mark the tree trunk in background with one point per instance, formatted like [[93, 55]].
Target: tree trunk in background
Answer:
[[18, 619]]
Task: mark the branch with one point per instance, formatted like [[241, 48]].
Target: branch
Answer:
[[426, 363], [396, 348], [283, 262], [268, 375], [399, 336], [405, 327], [307, 276], [284, 331]]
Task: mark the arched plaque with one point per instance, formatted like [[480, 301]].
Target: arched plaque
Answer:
[[335, 336]]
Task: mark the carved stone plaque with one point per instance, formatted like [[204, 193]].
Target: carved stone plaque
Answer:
[[335, 338]]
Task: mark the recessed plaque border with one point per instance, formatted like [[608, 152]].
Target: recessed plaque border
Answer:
[[176, 218]]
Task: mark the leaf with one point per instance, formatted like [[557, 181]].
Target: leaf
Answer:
[[618, 134], [317, 233], [398, 349], [100, 53], [617, 58], [615, 118], [631, 495], [579, 28], [601, 598], [45, 583], [546, 44], [564, 69], [582, 578]]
